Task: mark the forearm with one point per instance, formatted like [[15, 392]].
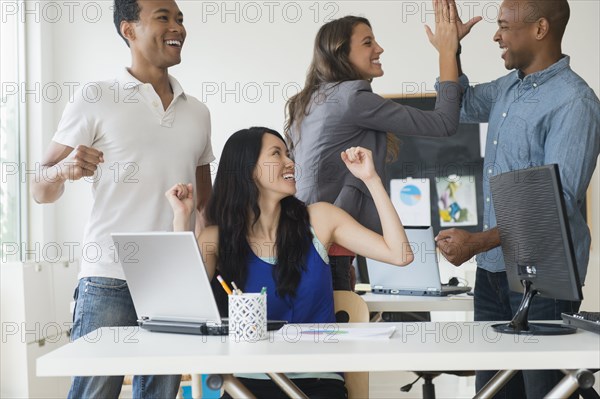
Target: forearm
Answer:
[[48, 185], [485, 240], [448, 67], [393, 232], [181, 222]]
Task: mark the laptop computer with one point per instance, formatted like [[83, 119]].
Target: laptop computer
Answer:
[[419, 278], [169, 284]]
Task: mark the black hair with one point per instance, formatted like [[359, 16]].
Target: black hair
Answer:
[[125, 10], [557, 12], [233, 208]]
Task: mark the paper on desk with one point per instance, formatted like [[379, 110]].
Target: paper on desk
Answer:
[[331, 333]]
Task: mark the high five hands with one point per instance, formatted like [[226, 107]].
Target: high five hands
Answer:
[[464, 28], [449, 28]]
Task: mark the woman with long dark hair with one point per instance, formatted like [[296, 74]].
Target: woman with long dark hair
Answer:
[[260, 235], [337, 109]]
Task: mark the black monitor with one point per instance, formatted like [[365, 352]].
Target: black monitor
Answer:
[[536, 243]]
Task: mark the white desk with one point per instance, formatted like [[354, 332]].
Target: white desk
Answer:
[[414, 346], [408, 303]]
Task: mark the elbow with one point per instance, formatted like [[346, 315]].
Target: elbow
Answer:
[[37, 194], [451, 126], [41, 198], [446, 125], [42, 193], [408, 258], [453, 131], [405, 259]]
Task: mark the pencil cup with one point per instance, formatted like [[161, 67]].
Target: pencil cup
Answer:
[[248, 317]]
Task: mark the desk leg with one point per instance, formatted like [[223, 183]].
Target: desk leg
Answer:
[[376, 317], [495, 384], [287, 385], [232, 386], [573, 379], [196, 386]]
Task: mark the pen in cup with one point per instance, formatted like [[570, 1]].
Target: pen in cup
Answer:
[[236, 289], [224, 285], [263, 290]]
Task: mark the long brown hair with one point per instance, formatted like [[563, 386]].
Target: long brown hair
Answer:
[[330, 64]]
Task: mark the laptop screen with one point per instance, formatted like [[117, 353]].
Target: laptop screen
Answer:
[[166, 276], [422, 274]]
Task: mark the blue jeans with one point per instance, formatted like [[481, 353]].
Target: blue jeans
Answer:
[[495, 302], [106, 302]]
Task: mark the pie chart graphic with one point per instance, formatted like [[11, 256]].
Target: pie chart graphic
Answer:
[[410, 195]]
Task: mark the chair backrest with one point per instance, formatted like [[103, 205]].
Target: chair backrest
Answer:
[[351, 308]]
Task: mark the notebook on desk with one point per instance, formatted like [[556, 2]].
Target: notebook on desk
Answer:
[[421, 277], [169, 284]]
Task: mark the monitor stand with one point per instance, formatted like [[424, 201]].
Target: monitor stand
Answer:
[[520, 325]]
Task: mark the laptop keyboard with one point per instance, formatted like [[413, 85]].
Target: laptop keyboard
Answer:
[[586, 320]]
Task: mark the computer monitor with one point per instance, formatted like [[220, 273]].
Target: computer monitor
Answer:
[[536, 243]]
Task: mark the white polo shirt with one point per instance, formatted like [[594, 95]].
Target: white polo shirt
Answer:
[[146, 150]]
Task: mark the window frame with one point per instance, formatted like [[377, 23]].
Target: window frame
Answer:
[[22, 203]]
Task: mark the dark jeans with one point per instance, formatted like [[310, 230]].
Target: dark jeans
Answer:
[[341, 272], [495, 302], [314, 388]]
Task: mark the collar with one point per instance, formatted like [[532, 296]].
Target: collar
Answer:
[[540, 77], [128, 82]]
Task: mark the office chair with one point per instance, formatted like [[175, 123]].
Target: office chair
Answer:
[[350, 308], [428, 376], [589, 393]]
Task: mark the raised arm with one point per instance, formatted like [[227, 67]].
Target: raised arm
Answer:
[[334, 225], [463, 30], [471, 113], [62, 163], [181, 199], [445, 38]]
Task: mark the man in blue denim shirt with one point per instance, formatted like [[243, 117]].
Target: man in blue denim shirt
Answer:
[[540, 113]]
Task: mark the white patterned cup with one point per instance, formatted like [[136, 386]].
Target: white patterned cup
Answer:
[[248, 317]]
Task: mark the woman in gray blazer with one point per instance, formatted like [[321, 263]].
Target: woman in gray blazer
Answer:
[[337, 109]]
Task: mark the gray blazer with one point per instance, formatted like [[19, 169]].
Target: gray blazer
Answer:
[[349, 114]]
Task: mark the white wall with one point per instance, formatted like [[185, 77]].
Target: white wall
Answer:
[[235, 48]]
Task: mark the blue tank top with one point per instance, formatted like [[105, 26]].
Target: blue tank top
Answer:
[[313, 302]]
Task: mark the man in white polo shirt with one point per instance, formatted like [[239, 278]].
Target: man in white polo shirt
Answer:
[[141, 134]]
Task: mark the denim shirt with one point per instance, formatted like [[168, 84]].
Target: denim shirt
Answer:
[[550, 116]]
